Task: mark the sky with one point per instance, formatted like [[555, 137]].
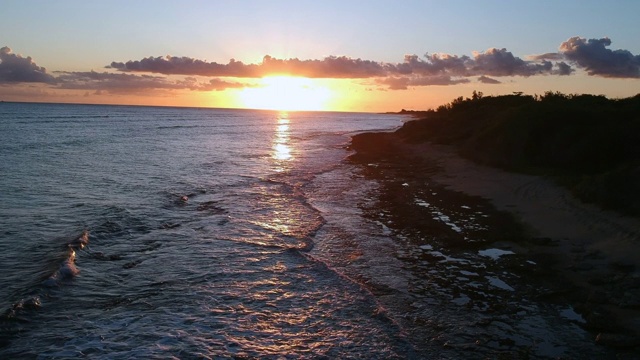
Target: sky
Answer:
[[370, 56]]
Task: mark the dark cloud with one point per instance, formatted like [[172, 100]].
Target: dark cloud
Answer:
[[437, 80], [500, 62], [404, 82], [171, 65], [432, 69], [434, 64], [338, 67], [329, 67], [15, 69], [394, 83], [128, 83], [593, 56], [547, 56], [487, 80], [92, 80], [219, 84], [564, 68], [493, 62]]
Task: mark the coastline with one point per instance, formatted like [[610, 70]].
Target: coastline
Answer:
[[587, 256]]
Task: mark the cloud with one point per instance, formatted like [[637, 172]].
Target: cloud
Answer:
[[564, 68], [171, 65], [219, 85], [404, 82], [432, 65], [394, 83], [593, 56], [329, 67], [128, 83], [500, 62], [493, 62], [124, 83], [435, 69], [436, 80], [16, 69], [446, 69], [547, 56], [432, 69], [338, 67], [487, 80]]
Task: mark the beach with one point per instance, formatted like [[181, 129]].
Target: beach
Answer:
[[580, 254]]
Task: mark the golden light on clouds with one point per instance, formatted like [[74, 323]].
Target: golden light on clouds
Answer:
[[286, 93]]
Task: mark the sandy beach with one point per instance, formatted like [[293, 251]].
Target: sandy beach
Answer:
[[586, 256]]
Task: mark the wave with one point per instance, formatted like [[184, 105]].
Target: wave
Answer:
[[182, 127], [67, 269]]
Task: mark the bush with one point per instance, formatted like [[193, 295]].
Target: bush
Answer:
[[588, 138]]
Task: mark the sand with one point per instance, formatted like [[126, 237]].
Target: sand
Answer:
[[549, 210], [596, 253]]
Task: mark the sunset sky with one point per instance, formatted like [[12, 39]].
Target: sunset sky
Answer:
[[314, 55]]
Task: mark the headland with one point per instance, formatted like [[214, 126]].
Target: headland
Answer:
[[562, 174]]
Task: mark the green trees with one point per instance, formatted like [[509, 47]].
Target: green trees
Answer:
[[587, 142]]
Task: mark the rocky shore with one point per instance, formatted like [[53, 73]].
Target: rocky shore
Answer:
[[535, 245]]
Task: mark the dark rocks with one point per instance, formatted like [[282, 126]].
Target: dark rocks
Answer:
[[618, 340], [543, 241]]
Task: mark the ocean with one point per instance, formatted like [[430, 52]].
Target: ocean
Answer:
[[184, 233], [153, 232]]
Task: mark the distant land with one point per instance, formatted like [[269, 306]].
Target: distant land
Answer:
[[414, 113]]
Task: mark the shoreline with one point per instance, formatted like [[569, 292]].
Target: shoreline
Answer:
[[591, 255]]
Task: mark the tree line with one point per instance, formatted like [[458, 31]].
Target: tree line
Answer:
[[589, 143]]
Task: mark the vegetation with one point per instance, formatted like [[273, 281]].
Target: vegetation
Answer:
[[587, 143]]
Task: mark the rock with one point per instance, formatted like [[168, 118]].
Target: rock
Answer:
[[630, 300], [598, 297], [543, 241], [600, 321], [581, 266], [618, 340], [625, 267]]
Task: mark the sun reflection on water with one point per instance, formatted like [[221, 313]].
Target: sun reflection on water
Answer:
[[281, 148]]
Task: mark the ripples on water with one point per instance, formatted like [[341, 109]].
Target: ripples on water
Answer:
[[139, 232], [158, 232]]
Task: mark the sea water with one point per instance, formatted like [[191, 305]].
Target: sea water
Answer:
[[153, 232]]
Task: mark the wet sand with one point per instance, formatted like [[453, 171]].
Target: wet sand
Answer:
[[581, 255]]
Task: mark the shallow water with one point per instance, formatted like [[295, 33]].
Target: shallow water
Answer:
[[197, 237]]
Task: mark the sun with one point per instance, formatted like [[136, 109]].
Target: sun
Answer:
[[286, 93]]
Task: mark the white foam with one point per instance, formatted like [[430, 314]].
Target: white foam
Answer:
[[495, 254], [494, 281], [570, 314], [422, 203]]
